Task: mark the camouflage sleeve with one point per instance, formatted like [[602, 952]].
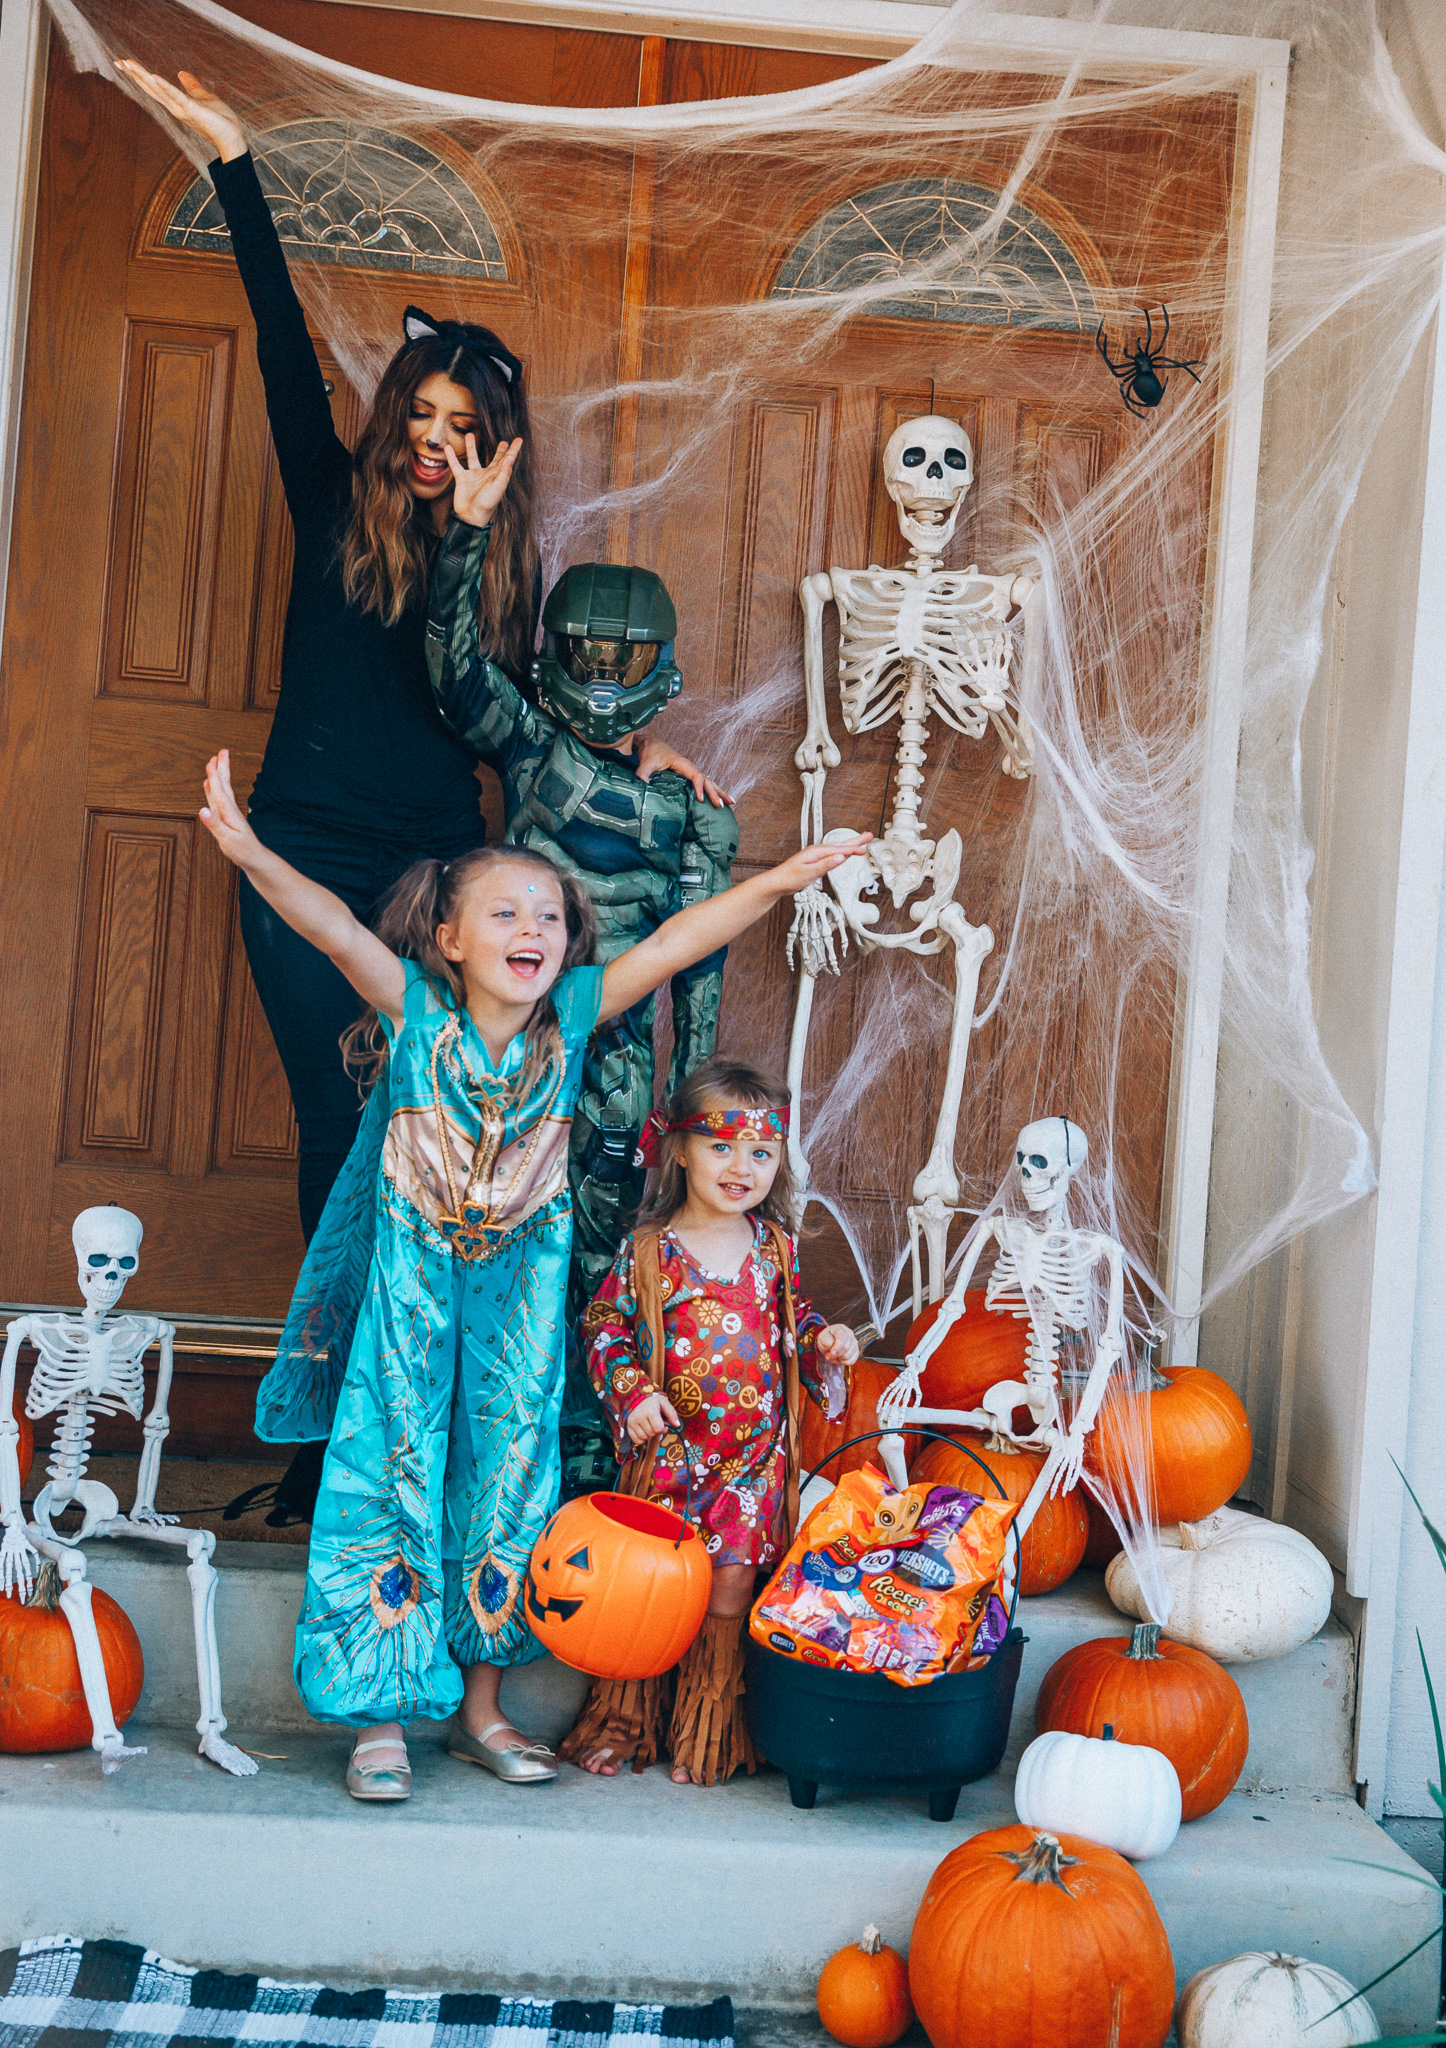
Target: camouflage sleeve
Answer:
[[478, 700], [706, 855]]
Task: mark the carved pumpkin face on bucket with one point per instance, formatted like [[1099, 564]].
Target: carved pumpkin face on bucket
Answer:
[[617, 1587]]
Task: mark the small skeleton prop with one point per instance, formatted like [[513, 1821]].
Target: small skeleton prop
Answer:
[[89, 1365], [1044, 1270], [912, 641]]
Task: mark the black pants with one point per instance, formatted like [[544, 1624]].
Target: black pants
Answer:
[[308, 1002]]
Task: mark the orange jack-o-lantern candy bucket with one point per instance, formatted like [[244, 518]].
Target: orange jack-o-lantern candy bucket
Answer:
[[618, 1587]]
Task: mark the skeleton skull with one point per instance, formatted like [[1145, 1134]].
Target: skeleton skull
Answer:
[[107, 1250], [928, 466], [1049, 1154]]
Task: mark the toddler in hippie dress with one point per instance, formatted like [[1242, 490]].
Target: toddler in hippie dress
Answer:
[[701, 1349]]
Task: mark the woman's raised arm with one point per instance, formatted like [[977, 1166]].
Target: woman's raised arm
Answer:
[[310, 454], [373, 969]]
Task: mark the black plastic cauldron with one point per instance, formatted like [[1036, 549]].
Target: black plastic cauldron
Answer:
[[854, 1728]]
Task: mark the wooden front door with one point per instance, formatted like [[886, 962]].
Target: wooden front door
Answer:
[[148, 582]]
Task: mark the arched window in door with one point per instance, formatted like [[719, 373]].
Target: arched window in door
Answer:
[[343, 193], [925, 232]]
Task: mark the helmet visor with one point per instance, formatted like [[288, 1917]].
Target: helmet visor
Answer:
[[621, 663]]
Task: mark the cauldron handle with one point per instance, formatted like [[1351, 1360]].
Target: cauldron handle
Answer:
[[939, 1437]]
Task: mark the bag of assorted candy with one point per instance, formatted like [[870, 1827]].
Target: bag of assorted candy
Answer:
[[907, 1584]]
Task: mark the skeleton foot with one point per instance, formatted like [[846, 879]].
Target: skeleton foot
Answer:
[[227, 1755], [152, 1519], [113, 1753]]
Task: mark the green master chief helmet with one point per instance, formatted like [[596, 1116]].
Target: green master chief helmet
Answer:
[[606, 665]]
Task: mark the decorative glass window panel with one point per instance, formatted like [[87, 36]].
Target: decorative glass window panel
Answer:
[[343, 193], [924, 234]]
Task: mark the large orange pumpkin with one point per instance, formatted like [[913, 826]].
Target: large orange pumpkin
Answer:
[[618, 1587], [863, 1994], [1164, 1695], [42, 1702], [1029, 1940], [1197, 1439], [982, 1348], [816, 1438], [1054, 1543]]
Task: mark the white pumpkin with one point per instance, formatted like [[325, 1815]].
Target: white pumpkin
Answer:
[[1120, 1794], [1240, 1588], [1271, 2001]]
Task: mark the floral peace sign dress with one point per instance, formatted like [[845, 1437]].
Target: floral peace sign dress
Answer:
[[443, 1461], [724, 1337]]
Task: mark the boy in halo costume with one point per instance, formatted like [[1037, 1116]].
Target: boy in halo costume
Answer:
[[642, 850]]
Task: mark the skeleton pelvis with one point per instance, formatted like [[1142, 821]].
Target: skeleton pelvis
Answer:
[[96, 1501], [905, 867]]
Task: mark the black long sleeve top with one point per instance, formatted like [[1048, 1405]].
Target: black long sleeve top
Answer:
[[356, 743]]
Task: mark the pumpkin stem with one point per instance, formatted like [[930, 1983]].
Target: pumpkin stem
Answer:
[[47, 1589], [871, 1941], [1041, 1862], [999, 1446], [1145, 1642]]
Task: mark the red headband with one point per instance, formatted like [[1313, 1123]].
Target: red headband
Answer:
[[724, 1123]]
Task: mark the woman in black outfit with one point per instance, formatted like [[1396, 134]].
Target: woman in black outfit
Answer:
[[361, 777]]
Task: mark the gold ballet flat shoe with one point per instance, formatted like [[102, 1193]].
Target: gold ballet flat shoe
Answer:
[[521, 1763], [378, 1781]]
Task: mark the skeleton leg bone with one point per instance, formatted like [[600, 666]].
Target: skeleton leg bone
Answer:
[[199, 1545], [75, 1605], [936, 1185]]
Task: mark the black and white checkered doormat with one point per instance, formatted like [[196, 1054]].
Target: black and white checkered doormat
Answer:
[[62, 1993]]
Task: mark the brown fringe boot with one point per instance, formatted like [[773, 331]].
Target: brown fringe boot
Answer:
[[625, 1715], [708, 1737]]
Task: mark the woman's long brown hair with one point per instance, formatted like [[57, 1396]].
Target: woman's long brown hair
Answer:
[[386, 549], [721, 1083], [429, 894]]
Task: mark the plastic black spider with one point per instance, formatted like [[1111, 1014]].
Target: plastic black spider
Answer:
[[1139, 385]]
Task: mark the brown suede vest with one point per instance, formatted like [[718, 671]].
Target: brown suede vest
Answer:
[[637, 1475]]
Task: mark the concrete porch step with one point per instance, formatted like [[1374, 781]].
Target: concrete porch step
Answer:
[[1300, 1706], [625, 1888]]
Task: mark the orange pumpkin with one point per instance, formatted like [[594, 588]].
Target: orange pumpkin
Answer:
[[982, 1348], [618, 1587], [1196, 1438], [867, 1380], [25, 1449], [42, 1701], [863, 1994], [1029, 1940], [1164, 1695], [1055, 1541], [1103, 1541]]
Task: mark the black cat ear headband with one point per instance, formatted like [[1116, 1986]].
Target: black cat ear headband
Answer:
[[418, 326]]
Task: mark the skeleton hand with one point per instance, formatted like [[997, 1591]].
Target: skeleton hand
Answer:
[[818, 923], [477, 491], [1071, 1449], [19, 1562], [902, 1393]]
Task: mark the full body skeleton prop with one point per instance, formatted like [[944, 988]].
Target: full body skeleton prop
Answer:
[[89, 1365], [912, 641], [1046, 1271]]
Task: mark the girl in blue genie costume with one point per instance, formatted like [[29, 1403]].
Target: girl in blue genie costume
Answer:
[[426, 1334]]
